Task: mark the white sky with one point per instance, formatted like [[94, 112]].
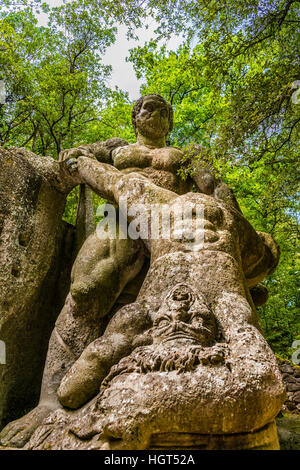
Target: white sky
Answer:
[[123, 74]]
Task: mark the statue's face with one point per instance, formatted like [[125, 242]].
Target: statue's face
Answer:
[[153, 118]]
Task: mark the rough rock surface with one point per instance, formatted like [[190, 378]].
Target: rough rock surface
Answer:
[[188, 356], [291, 378], [288, 428], [186, 361], [35, 262]]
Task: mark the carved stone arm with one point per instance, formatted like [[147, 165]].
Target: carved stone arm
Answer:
[[100, 150], [112, 184]]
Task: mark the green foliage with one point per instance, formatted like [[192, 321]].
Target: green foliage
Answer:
[[114, 120], [55, 81], [71, 206]]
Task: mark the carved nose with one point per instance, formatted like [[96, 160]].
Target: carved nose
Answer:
[[175, 326], [179, 316]]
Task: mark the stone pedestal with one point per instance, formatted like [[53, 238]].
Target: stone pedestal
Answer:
[[264, 439]]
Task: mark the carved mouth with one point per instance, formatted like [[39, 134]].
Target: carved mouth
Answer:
[[197, 337], [177, 335]]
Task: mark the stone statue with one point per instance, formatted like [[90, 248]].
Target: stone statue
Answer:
[[186, 362], [108, 273]]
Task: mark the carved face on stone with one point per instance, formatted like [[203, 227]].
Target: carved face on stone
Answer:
[[152, 118], [184, 318]]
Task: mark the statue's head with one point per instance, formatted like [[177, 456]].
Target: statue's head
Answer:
[[152, 116], [184, 316]]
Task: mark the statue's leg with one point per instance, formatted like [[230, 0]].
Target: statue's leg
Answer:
[[102, 269], [128, 329]]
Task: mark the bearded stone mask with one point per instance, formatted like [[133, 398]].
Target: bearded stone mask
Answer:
[[184, 315]]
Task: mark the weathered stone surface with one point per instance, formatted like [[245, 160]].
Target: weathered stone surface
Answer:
[[289, 378], [288, 427], [188, 355], [293, 387], [290, 374], [296, 397], [105, 268], [261, 439], [265, 438], [35, 262], [286, 368]]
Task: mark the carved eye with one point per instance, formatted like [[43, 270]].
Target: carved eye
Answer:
[[149, 107], [164, 113]]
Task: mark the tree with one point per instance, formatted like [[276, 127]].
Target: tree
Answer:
[[54, 78]]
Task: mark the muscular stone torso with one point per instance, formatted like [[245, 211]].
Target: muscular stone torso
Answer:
[[160, 165]]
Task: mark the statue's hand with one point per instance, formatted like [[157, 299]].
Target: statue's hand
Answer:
[[69, 173], [82, 151], [72, 165]]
